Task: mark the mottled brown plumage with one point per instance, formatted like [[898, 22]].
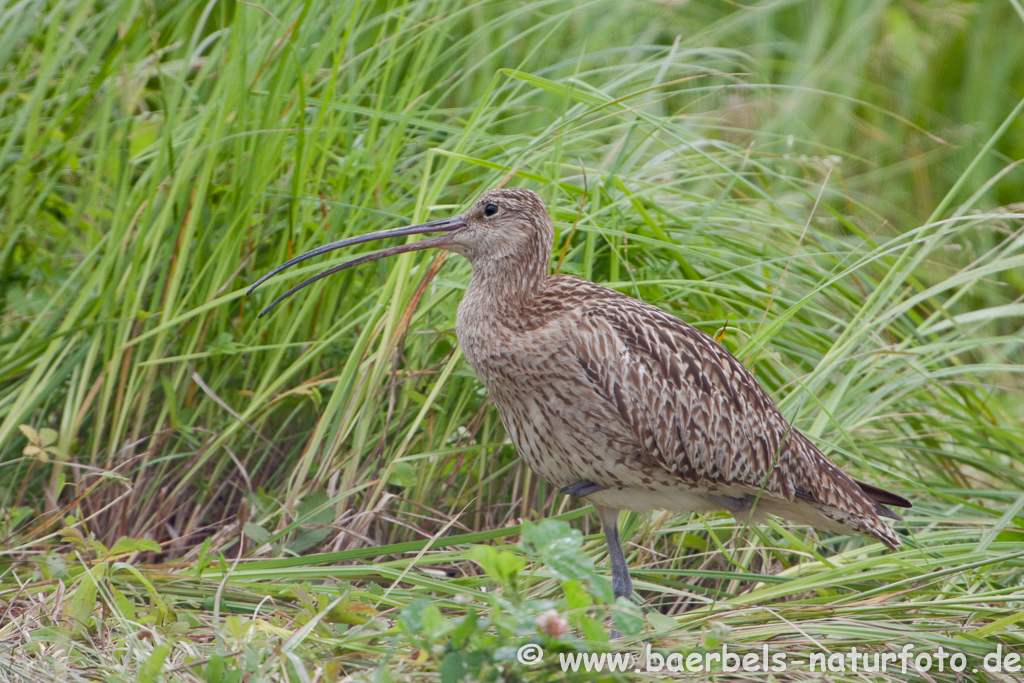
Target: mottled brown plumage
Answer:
[[616, 400]]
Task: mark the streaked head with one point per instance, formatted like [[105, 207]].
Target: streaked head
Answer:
[[503, 223], [500, 224]]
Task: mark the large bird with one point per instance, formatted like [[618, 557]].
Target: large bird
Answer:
[[616, 401]]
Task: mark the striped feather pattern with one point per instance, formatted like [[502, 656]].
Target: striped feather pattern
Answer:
[[595, 385]]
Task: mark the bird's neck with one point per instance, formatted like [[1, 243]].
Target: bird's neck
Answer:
[[504, 285]]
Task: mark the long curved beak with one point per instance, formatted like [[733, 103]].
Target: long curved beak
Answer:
[[445, 225]]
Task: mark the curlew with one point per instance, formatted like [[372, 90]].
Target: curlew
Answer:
[[614, 400]]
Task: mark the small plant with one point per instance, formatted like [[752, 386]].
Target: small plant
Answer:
[[503, 633], [42, 444]]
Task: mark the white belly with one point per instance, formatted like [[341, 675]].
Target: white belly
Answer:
[[643, 500]]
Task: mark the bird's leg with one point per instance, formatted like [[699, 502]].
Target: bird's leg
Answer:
[[622, 585], [582, 488]]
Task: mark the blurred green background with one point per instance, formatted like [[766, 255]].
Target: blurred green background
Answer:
[[834, 189]]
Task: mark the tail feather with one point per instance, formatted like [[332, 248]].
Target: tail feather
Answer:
[[833, 500], [880, 497]]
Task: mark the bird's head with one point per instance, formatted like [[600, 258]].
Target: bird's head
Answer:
[[501, 224]]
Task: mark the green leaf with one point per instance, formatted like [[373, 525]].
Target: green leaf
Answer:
[[50, 634], [692, 540], [576, 598], [150, 671], [203, 561], [500, 565], [125, 545], [221, 670], [214, 670], [593, 630], [402, 474], [510, 564], [72, 535], [559, 546], [411, 618], [313, 510], [56, 566], [83, 601], [163, 611], [661, 622], [224, 343], [255, 532], [465, 628], [434, 625], [124, 606], [1010, 536], [348, 612], [626, 618], [487, 557], [453, 668]]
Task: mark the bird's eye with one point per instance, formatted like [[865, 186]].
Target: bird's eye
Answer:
[[490, 209]]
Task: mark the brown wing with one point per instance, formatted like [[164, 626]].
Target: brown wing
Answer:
[[702, 415]]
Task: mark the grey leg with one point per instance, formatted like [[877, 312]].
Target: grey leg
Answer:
[[622, 585], [582, 488]]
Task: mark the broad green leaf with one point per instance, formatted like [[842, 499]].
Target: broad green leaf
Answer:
[[626, 617], [125, 545]]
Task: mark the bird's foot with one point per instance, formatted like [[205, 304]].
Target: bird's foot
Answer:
[[582, 488]]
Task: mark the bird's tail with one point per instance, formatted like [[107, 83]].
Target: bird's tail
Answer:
[[880, 497], [865, 516], [834, 501]]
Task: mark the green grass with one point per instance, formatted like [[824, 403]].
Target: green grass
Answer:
[[835, 189]]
